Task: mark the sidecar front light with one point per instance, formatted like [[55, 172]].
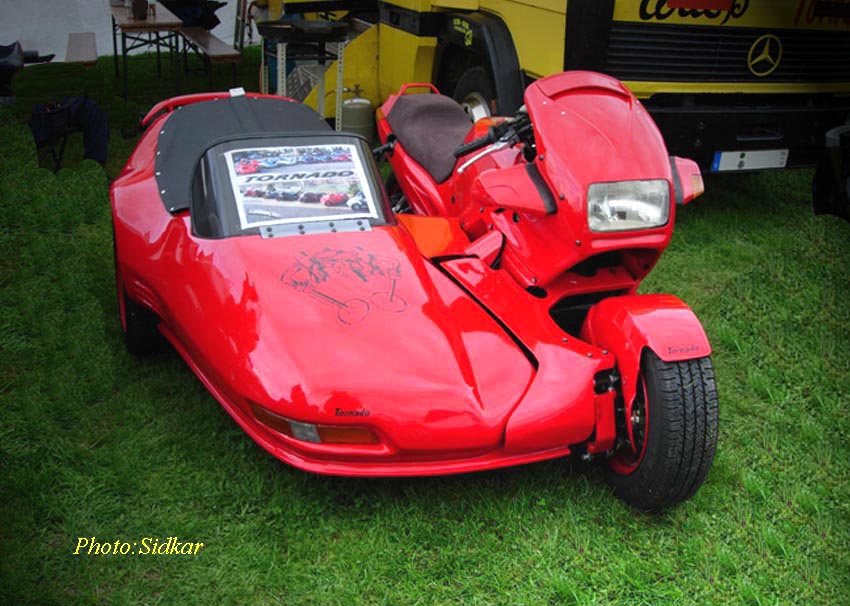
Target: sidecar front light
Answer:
[[628, 205]]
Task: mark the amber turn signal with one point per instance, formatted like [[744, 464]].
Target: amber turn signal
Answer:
[[316, 434]]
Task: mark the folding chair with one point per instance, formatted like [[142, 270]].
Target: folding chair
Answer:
[[51, 126]]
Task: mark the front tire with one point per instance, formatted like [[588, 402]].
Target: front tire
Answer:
[[672, 434]]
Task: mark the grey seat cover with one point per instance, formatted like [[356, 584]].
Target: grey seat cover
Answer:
[[429, 128]]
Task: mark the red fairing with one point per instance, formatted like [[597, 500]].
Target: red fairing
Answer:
[[559, 406], [589, 129]]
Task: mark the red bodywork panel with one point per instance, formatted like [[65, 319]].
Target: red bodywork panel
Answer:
[[560, 408]]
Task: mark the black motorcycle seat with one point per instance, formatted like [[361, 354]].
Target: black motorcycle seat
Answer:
[[429, 128]]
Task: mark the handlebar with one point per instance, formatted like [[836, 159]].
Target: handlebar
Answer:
[[494, 133], [518, 127], [474, 145]]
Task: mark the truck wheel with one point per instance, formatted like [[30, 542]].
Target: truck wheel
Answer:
[[138, 323], [476, 93], [672, 434]]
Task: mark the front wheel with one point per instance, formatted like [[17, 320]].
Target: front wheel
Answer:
[[670, 434]]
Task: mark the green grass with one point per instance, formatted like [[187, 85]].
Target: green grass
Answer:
[[96, 442]]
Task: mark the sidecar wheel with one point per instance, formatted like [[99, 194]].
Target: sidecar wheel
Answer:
[[673, 434], [476, 93], [138, 324], [141, 336]]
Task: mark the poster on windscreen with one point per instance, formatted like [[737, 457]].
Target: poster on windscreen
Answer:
[[296, 183]]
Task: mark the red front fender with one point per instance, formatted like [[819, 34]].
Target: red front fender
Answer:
[[625, 326]]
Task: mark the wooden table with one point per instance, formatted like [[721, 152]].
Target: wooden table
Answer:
[[145, 33]]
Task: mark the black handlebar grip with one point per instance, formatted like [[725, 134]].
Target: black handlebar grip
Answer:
[[474, 145]]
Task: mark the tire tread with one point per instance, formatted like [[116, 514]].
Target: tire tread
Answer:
[[678, 458]]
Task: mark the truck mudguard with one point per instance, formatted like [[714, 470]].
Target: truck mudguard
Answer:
[[487, 36]]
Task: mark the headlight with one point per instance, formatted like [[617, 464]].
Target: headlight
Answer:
[[628, 205]]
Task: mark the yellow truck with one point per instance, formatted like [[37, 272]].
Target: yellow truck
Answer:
[[738, 85]]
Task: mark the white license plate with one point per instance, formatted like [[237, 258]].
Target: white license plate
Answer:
[[749, 160]]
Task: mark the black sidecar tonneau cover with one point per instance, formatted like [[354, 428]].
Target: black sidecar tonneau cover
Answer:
[[192, 129]]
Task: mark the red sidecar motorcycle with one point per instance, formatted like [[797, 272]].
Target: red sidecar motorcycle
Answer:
[[551, 226], [490, 321]]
